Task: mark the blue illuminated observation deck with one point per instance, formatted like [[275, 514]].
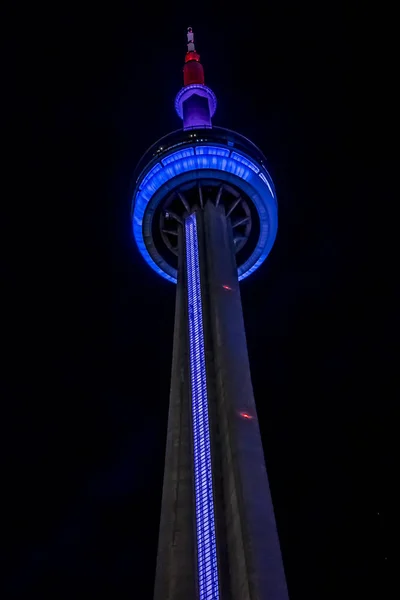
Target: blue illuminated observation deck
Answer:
[[204, 216], [194, 155]]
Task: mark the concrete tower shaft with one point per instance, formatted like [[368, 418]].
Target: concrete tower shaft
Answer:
[[249, 563]]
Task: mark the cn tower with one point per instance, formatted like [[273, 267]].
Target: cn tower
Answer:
[[204, 216]]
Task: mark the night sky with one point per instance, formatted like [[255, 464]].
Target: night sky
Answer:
[[88, 331]]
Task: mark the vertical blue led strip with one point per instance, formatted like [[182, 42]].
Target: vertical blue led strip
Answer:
[[205, 524]]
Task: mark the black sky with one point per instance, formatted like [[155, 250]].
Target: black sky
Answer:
[[88, 331]]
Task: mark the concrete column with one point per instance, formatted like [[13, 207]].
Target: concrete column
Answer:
[[255, 563], [175, 572]]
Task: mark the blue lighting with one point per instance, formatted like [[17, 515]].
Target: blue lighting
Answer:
[[245, 161], [212, 150], [229, 165], [177, 156], [265, 180], [205, 524], [150, 174]]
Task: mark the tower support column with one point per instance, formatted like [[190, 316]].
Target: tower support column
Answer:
[[176, 577], [250, 547], [212, 406]]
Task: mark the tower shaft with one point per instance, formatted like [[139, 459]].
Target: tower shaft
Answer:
[[176, 569], [221, 509]]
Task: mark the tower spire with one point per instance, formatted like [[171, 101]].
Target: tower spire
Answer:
[[190, 39], [191, 53], [193, 71]]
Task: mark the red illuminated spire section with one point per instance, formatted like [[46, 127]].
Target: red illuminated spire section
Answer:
[[193, 70]]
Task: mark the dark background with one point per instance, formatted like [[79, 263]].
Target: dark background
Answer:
[[88, 326]]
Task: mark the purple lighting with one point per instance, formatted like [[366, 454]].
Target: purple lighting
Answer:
[[203, 486], [196, 104], [200, 90]]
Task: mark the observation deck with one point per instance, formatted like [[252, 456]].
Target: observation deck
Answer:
[[185, 169]]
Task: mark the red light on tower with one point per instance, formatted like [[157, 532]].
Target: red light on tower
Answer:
[[226, 287], [193, 72], [245, 415]]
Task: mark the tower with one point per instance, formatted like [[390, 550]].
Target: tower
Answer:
[[204, 216]]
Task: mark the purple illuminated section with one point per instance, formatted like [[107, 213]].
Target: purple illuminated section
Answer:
[[203, 487], [196, 112], [195, 105]]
